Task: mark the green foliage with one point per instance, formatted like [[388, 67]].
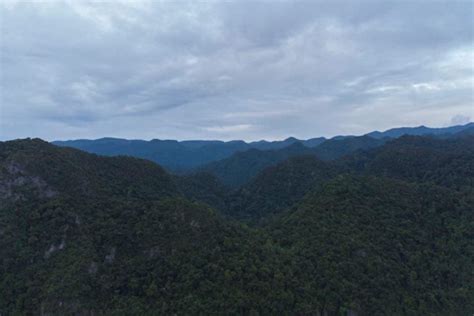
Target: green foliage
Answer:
[[382, 246], [447, 163], [278, 188], [387, 231], [241, 167], [204, 187]]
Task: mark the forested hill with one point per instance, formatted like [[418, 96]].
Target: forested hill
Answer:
[[277, 188], [384, 230], [242, 167], [78, 174], [82, 234], [444, 162], [382, 247]]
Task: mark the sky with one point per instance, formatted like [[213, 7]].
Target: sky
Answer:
[[232, 70]]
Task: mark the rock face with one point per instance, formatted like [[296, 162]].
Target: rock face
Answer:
[[110, 257], [54, 248], [15, 180]]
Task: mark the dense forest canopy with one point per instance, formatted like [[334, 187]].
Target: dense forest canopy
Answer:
[[361, 225]]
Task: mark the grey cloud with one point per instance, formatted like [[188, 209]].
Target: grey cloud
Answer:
[[247, 70]]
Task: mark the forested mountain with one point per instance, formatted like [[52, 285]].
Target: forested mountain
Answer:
[[420, 131], [241, 167], [465, 132], [448, 163], [384, 230], [444, 162], [279, 187], [83, 234], [336, 148]]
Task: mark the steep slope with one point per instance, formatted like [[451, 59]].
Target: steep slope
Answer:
[[92, 176], [447, 163], [82, 234], [279, 187], [243, 166], [204, 187], [379, 246]]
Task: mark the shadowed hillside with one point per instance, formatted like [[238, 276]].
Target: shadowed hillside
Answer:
[[242, 167], [385, 230], [84, 234], [381, 246]]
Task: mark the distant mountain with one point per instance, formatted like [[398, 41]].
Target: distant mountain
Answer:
[[175, 155], [314, 142], [182, 156], [419, 131], [465, 132], [170, 154], [266, 145], [339, 147]]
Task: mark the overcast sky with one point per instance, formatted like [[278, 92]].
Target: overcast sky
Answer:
[[244, 70]]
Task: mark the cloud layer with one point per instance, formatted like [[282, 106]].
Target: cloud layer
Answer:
[[243, 70]]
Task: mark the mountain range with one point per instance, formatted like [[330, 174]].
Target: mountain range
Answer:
[[179, 156], [353, 226]]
